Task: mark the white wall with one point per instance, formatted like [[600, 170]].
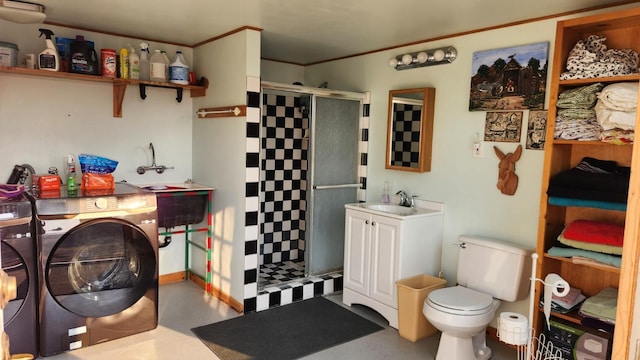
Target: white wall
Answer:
[[44, 119], [219, 147]]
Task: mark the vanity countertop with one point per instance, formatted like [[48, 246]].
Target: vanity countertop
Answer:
[[422, 209]]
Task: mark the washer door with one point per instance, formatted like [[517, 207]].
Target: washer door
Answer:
[[101, 267], [14, 265]]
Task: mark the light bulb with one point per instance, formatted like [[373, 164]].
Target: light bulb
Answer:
[[423, 57], [407, 59], [393, 62], [438, 55]]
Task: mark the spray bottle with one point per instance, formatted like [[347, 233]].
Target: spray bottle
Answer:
[[49, 59], [71, 174], [144, 61]]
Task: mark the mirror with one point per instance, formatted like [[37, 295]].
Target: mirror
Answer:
[[410, 129]]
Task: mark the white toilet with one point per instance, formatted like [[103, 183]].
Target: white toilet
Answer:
[[489, 270]]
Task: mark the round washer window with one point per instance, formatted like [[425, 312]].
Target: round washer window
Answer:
[[101, 267]]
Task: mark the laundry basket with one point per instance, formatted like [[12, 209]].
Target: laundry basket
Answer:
[[412, 325]]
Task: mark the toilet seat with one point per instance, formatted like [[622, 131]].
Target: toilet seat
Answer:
[[460, 300]]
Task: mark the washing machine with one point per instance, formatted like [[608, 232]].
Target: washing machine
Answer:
[[19, 260], [97, 266]]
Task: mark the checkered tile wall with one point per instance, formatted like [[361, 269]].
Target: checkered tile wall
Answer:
[[283, 181]]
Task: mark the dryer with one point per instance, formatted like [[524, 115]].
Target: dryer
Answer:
[[98, 266], [19, 260]]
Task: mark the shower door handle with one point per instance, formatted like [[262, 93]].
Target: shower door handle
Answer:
[[324, 187]]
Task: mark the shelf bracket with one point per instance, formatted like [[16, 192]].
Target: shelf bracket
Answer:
[[143, 91]]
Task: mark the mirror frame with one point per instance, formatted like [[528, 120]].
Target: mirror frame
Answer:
[[426, 128]]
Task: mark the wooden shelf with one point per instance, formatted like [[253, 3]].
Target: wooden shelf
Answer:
[[119, 85], [594, 265], [607, 79]]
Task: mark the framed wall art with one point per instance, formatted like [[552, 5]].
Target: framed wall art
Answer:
[[536, 129], [512, 78], [503, 126]]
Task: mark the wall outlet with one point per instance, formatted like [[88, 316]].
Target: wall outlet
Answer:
[[477, 150]]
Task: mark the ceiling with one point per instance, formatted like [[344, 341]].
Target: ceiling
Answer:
[[304, 31]]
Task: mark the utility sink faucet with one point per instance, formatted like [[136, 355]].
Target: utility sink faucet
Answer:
[[158, 168]]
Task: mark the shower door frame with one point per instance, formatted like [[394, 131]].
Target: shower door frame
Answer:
[[327, 93]]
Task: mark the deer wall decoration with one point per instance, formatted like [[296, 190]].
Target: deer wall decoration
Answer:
[[507, 178]]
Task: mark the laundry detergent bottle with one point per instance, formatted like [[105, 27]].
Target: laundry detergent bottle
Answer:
[[49, 59]]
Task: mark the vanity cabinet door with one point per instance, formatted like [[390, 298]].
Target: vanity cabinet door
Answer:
[[356, 252], [384, 260]]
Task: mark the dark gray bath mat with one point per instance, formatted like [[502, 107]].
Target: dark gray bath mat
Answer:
[[286, 332]]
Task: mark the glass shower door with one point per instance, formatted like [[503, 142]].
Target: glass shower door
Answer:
[[334, 166]]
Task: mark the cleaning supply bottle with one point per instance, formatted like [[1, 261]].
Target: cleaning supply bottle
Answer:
[[71, 174], [166, 60], [83, 59], [49, 59], [134, 64], [156, 68], [124, 63], [144, 61], [178, 70]]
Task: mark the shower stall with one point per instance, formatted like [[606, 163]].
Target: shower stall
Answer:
[[310, 166]]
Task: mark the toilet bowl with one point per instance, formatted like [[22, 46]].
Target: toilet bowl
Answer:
[[489, 271], [462, 315]]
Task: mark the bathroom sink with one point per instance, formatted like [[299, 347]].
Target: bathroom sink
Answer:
[[393, 209], [424, 208]]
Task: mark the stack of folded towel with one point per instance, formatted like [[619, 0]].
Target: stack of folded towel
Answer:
[[593, 182], [599, 311], [588, 241]]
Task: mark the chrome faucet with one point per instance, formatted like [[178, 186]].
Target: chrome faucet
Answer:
[[406, 200], [158, 168]]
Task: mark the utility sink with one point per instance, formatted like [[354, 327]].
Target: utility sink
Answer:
[[157, 188], [393, 209], [180, 204]]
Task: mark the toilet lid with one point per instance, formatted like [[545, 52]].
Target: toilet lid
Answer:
[[459, 299]]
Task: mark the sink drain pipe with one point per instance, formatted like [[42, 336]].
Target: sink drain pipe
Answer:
[[166, 241]]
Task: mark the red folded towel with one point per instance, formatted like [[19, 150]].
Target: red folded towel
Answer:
[[595, 232]]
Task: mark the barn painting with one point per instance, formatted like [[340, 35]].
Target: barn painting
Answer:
[[512, 78]]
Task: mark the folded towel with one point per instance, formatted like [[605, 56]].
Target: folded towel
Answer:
[[595, 232], [602, 306]]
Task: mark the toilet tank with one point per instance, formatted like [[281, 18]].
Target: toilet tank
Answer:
[[495, 267]]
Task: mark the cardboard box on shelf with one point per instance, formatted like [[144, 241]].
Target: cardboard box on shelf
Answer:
[[578, 342]]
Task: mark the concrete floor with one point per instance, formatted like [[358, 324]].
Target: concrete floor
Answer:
[[184, 305]]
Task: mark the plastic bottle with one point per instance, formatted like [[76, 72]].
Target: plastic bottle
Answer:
[[157, 65], [83, 59], [144, 61], [124, 63], [178, 70], [167, 62], [134, 64], [385, 193], [49, 59], [71, 174]]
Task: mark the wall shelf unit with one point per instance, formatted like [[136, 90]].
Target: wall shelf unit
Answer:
[[621, 29], [119, 85]]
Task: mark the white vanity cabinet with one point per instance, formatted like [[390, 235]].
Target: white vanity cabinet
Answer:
[[381, 248]]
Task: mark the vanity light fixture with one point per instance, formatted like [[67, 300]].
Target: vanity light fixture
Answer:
[[418, 59]]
